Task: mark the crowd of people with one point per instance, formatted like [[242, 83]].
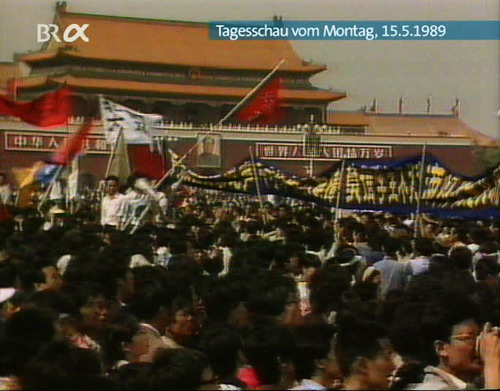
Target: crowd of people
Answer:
[[206, 290]]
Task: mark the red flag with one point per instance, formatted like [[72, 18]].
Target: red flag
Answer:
[[48, 111], [265, 107], [74, 145], [145, 162]]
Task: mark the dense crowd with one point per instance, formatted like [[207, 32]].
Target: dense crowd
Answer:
[[205, 290]]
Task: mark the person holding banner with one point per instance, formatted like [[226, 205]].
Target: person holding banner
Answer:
[[113, 205]]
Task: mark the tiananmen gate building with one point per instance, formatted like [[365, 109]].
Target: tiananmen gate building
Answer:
[[172, 68]]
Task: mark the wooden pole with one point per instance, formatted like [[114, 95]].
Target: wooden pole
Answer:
[[259, 194], [339, 193], [420, 190]]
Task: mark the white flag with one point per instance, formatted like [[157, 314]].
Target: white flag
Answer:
[[72, 188], [136, 127]]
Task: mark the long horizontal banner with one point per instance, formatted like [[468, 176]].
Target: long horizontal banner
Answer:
[[389, 186], [323, 152], [50, 142]]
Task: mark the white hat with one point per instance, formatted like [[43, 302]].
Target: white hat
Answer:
[[6, 294]]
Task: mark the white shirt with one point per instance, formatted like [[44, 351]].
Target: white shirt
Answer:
[[112, 209], [5, 194], [437, 379]]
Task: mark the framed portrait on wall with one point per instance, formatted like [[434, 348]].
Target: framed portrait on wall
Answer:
[[209, 150]]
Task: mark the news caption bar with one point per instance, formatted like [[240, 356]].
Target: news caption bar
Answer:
[[356, 30]]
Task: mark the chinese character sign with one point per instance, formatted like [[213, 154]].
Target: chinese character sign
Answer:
[[312, 148]]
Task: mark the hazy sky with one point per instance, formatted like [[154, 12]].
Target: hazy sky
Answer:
[[469, 70]]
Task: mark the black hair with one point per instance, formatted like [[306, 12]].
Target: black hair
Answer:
[[266, 346], [461, 257], [134, 376], [179, 369], [150, 299], [21, 325], [441, 315], [391, 245], [60, 365], [423, 246], [312, 342], [112, 178], [326, 288], [357, 338], [222, 346]]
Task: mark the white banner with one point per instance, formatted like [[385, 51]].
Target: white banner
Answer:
[[136, 127]]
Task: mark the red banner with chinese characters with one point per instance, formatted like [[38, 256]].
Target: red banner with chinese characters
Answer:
[[51, 142]]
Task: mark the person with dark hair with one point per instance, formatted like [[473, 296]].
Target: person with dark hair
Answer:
[[182, 369], [223, 346], [134, 376], [486, 261], [5, 190], [61, 366], [53, 280], [459, 237], [95, 311], [392, 273], [314, 358], [113, 204], [450, 327], [152, 306], [439, 263], [423, 250], [461, 257], [364, 354], [268, 349], [326, 288]]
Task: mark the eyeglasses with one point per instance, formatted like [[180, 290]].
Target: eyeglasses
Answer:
[[467, 338]]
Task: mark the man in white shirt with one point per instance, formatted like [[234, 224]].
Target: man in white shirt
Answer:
[[113, 204], [5, 191]]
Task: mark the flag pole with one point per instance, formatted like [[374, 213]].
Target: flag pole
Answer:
[[339, 195], [259, 194], [228, 115], [420, 190], [113, 152], [256, 88]]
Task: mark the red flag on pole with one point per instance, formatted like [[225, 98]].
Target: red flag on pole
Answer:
[[146, 162], [74, 145], [51, 110], [266, 106]]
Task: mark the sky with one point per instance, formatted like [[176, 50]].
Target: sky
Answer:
[[386, 70]]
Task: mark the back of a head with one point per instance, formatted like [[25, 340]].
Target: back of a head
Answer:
[[461, 257], [31, 324], [423, 246], [58, 365], [179, 369], [391, 245], [150, 300], [134, 376], [357, 339], [265, 347], [222, 346], [312, 343]]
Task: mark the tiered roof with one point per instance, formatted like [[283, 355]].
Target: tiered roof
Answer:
[[159, 44], [123, 39]]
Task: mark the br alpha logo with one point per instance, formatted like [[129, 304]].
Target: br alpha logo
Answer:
[[71, 33]]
